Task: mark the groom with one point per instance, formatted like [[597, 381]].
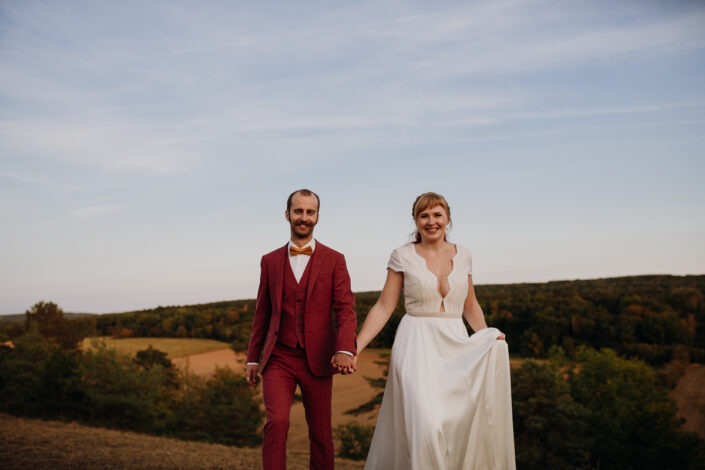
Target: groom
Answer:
[[295, 339]]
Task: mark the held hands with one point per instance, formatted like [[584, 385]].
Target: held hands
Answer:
[[252, 375], [344, 363]]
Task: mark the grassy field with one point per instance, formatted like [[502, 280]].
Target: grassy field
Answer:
[[28, 443], [174, 347]]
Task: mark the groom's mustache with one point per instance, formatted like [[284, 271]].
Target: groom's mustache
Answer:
[[307, 224]]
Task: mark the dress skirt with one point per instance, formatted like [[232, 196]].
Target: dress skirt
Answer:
[[447, 402]]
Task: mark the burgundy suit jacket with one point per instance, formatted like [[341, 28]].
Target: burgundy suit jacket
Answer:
[[329, 317]]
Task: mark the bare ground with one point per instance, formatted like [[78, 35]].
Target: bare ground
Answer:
[[173, 347], [690, 395], [35, 444]]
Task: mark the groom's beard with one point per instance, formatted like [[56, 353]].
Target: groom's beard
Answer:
[[297, 229]]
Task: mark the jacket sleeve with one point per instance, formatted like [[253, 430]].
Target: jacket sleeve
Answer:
[[344, 308], [260, 322]]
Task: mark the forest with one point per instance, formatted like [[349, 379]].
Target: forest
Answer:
[[646, 317], [595, 361]]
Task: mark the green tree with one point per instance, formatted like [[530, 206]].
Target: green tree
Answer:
[[222, 409], [549, 426], [21, 370], [121, 394], [150, 357], [60, 392], [633, 420], [50, 322]]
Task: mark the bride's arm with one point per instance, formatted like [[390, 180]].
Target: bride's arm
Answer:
[[379, 314], [472, 310]]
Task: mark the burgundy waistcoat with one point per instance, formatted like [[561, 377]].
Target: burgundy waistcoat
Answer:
[[291, 325]]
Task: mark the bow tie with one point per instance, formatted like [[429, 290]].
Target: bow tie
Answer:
[[293, 251]]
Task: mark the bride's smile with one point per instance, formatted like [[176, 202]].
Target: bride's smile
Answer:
[[432, 222]]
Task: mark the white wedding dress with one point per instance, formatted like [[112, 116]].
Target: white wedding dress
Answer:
[[447, 403]]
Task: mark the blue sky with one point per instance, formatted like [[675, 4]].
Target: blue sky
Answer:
[[147, 148]]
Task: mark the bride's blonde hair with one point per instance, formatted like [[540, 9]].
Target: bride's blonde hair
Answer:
[[423, 202]]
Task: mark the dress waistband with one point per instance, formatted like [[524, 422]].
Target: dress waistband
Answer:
[[435, 314]]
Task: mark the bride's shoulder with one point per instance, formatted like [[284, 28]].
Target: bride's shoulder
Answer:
[[465, 258], [404, 250], [400, 257], [462, 249], [405, 247]]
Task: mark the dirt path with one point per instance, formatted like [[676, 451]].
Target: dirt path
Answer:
[[690, 395], [348, 391], [35, 444]]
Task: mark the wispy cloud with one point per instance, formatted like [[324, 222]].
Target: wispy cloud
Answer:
[[107, 145], [22, 178], [591, 112], [42, 181], [521, 47], [96, 210]]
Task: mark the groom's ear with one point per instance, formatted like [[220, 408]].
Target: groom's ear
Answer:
[[286, 215]]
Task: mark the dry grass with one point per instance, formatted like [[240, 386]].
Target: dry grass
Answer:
[[173, 347], [27, 443]]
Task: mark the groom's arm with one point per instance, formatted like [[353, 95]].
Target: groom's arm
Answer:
[[260, 322], [344, 308]]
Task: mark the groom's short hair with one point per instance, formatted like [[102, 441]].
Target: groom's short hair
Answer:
[[303, 192]]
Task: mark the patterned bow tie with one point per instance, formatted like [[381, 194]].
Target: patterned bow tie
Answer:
[[293, 251]]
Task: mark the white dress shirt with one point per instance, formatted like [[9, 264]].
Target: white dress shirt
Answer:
[[298, 265], [299, 262]]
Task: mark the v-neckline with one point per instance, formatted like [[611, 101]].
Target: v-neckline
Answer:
[[438, 279]]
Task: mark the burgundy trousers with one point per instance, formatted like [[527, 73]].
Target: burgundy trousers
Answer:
[[286, 368]]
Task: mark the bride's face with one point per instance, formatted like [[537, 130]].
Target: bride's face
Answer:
[[432, 223]]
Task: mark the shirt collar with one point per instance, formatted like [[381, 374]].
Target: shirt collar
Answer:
[[312, 244]]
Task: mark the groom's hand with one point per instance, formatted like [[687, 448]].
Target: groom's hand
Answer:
[[252, 374], [344, 363]]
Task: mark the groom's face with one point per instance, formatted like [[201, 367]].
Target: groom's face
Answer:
[[303, 215]]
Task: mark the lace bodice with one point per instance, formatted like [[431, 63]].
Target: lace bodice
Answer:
[[421, 293]]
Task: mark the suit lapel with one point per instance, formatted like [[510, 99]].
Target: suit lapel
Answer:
[[280, 284], [317, 260]]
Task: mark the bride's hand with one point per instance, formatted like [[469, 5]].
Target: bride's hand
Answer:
[[502, 336]]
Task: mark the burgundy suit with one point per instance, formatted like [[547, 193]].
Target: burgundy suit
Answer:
[[319, 310]]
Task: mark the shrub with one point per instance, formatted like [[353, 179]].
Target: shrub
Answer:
[[121, 394], [355, 439], [222, 409]]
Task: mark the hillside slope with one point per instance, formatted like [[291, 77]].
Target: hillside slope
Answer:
[[28, 443]]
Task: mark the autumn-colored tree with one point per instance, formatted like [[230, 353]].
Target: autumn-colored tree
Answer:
[[51, 324]]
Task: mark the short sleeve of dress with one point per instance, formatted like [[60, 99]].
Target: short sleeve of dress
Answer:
[[395, 262]]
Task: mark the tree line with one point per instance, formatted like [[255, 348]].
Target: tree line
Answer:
[[648, 317]]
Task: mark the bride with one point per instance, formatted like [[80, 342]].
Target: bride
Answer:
[[447, 403]]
